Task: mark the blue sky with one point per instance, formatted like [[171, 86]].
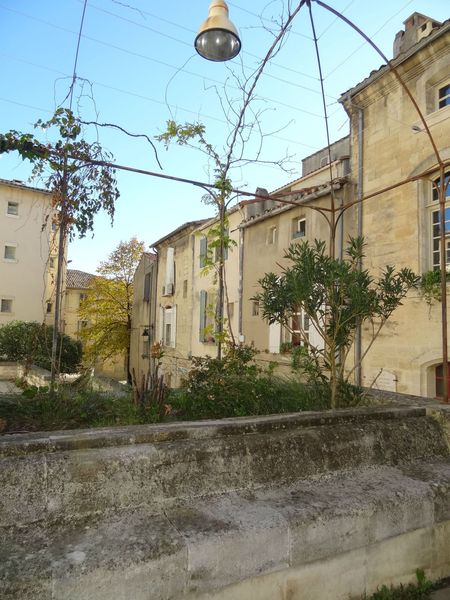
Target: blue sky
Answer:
[[138, 68]]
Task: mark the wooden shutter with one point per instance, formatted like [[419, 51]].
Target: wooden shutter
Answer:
[[202, 326]]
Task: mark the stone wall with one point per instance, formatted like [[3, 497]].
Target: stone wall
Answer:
[[9, 371], [312, 505]]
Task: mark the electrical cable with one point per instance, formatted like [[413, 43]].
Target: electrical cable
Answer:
[[162, 63], [338, 66]]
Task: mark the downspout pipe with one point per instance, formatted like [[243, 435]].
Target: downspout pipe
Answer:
[[152, 317], [359, 228], [241, 284]]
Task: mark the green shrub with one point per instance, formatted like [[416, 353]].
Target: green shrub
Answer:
[[69, 409], [235, 386], [31, 343]]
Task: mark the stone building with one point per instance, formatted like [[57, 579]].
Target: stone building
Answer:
[[77, 286], [387, 144], [144, 314], [271, 226], [174, 313], [401, 227]]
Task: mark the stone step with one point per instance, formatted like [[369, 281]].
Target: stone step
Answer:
[[336, 535]]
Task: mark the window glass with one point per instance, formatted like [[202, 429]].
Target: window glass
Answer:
[[13, 208], [444, 96], [10, 253], [298, 228], [6, 305], [436, 186], [147, 286], [272, 235], [435, 225]]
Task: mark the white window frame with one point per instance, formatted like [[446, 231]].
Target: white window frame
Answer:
[[10, 245], [445, 97], [168, 325], [82, 324], [307, 334], [15, 215], [298, 227], [433, 208], [272, 235]]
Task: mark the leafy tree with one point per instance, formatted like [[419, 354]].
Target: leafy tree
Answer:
[[31, 342], [108, 305], [244, 125], [74, 170], [338, 296]]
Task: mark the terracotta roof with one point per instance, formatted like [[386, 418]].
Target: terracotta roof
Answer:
[[78, 279]]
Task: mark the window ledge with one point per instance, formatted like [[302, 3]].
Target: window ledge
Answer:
[[10, 260], [433, 119]]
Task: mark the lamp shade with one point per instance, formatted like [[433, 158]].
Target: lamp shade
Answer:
[[218, 39]]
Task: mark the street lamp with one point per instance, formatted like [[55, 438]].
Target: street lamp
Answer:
[[218, 39]]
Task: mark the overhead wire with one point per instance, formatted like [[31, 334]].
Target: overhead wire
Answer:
[[142, 97], [119, 90], [189, 45], [162, 63], [192, 32], [364, 43]]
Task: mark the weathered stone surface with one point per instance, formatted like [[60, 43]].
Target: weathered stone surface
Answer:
[[125, 555], [221, 536], [195, 511], [23, 485]]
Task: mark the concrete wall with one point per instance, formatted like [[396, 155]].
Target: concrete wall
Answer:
[[35, 376], [317, 506]]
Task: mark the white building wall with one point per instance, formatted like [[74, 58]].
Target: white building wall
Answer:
[[27, 280]]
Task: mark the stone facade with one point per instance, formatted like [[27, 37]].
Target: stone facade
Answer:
[[174, 315], [389, 142], [268, 233], [143, 315], [77, 285]]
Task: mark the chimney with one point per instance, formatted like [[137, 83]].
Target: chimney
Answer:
[[417, 26]]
